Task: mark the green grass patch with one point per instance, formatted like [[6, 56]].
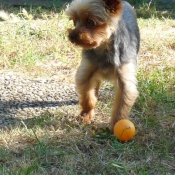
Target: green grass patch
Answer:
[[33, 40]]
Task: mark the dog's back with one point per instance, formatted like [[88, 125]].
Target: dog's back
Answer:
[[126, 38], [130, 19], [129, 15]]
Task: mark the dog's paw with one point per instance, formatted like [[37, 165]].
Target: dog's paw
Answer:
[[87, 117]]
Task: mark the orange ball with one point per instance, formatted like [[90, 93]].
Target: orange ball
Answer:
[[124, 130]]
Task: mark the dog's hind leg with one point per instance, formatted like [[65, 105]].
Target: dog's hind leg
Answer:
[[126, 92]]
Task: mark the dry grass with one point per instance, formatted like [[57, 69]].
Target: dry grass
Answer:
[[37, 46], [60, 144]]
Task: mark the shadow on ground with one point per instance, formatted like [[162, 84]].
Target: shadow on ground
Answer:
[[145, 9], [33, 6], [35, 2]]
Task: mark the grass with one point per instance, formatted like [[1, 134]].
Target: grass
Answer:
[[34, 42]]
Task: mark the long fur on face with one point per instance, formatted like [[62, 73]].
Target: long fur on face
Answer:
[[94, 20]]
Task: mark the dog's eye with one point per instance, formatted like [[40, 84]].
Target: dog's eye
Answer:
[[90, 22]]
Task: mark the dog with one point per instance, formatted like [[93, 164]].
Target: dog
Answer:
[[108, 32]]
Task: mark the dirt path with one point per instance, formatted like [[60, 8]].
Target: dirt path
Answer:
[[22, 97]]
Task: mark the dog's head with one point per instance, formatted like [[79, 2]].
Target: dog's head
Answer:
[[94, 21]]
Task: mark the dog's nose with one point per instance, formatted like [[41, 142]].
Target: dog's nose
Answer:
[[72, 36]]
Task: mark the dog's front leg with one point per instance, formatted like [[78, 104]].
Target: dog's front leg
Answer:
[[87, 85], [126, 92]]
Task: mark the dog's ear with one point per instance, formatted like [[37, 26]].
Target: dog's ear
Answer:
[[112, 5]]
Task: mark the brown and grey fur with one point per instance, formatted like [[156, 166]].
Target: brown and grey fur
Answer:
[[107, 31]]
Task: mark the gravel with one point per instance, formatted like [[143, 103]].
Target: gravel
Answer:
[[23, 97]]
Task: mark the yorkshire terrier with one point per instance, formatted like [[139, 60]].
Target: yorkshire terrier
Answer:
[[108, 32]]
